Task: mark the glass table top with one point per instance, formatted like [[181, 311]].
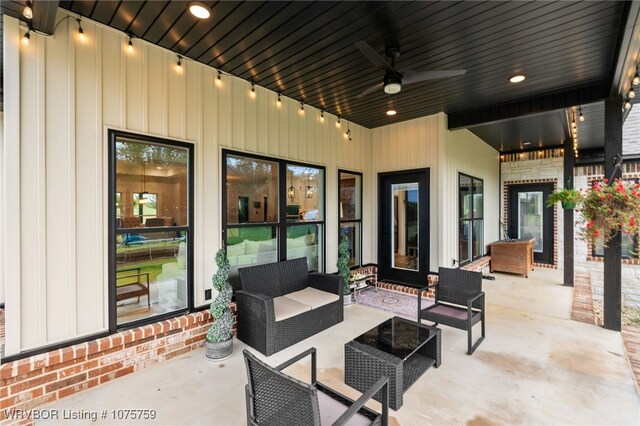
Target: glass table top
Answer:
[[397, 336]]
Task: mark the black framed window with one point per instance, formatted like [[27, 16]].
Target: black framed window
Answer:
[[150, 217], [630, 247], [471, 222], [273, 210], [350, 213]]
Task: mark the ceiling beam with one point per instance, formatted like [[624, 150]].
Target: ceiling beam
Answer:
[[44, 16], [528, 106]]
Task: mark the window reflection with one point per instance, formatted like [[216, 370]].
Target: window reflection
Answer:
[[305, 194], [252, 190]]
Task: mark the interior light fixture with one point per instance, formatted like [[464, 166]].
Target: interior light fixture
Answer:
[[632, 93], [291, 192], [26, 38], [27, 12], [142, 196], [322, 116], [581, 116], [80, 30], [338, 122], [179, 64], [517, 78]]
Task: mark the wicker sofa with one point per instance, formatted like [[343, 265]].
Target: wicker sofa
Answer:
[[281, 304]]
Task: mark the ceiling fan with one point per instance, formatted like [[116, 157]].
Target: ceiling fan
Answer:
[[393, 79]]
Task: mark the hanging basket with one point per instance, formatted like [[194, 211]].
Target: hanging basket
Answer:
[[568, 205]]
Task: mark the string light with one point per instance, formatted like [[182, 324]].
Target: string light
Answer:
[[179, 64], [627, 104], [80, 30], [253, 90], [636, 78], [301, 108], [322, 116], [632, 93], [279, 101], [581, 117], [219, 79], [338, 122], [27, 12], [130, 44], [26, 38]]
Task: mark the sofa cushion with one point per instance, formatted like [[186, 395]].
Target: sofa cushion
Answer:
[[286, 308], [236, 249], [293, 275], [312, 297]]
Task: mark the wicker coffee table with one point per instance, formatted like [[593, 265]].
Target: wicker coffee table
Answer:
[[400, 349]]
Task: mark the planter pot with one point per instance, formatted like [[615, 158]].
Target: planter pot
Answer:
[[568, 205], [347, 299], [217, 351]]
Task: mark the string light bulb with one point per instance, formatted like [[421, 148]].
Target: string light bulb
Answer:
[[80, 30], [301, 107], [279, 101], [253, 90], [130, 44], [179, 64], [636, 79], [322, 116], [27, 12], [338, 122], [632, 93], [627, 104], [26, 38], [219, 79], [581, 116]]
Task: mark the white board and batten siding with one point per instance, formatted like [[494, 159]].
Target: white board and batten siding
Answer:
[[426, 143], [54, 168], [61, 97]]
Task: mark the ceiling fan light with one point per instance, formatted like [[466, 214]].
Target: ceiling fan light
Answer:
[[392, 84], [199, 10], [391, 111]]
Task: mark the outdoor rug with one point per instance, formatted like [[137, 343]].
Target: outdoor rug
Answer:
[[401, 304]]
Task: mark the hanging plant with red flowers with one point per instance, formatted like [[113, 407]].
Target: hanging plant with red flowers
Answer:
[[609, 209]]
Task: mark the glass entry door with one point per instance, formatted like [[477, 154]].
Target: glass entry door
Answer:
[[530, 218], [403, 254]]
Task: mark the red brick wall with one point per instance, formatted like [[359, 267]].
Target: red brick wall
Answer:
[[40, 379]]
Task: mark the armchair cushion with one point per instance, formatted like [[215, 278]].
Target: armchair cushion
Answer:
[[330, 410], [449, 311]]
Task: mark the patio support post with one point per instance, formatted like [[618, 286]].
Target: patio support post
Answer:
[[613, 252], [569, 160]]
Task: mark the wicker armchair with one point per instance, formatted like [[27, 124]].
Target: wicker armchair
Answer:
[[274, 398], [459, 302], [267, 288]]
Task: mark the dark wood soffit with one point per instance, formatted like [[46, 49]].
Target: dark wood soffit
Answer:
[[44, 16], [528, 106]]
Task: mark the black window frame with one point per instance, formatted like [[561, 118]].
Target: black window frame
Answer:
[[348, 221], [282, 222], [112, 229], [472, 220]]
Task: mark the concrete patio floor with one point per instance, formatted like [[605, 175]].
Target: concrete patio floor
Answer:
[[536, 366]]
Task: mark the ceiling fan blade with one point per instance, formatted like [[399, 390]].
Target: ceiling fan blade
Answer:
[[413, 76], [373, 56], [370, 90]]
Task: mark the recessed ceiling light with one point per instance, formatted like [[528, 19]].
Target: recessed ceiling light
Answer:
[[526, 143], [517, 78], [199, 10]]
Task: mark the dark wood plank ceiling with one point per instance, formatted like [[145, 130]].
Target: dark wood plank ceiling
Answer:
[[306, 49]]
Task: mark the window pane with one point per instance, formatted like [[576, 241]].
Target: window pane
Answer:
[[465, 197], [252, 246], [628, 246], [477, 240], [405, 216], [350, 196], [530, 218], [151, 274], [156, 174], [477, 198], [352, 231], [305, 194], [465, 234], [305, 241], [252, 190]]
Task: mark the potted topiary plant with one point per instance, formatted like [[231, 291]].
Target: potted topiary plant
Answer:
[[343, 268], [569, 198], [219, 342]]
